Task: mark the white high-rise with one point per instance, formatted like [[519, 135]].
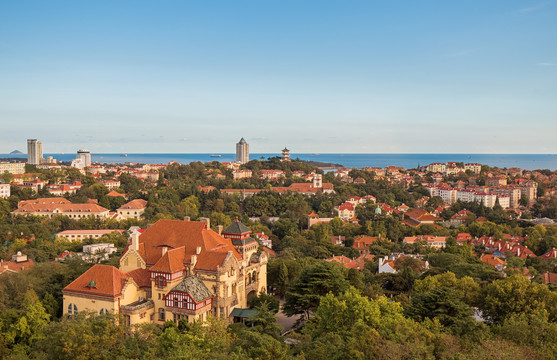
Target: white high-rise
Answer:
[[84, 156], [242, 151], [34, 151]]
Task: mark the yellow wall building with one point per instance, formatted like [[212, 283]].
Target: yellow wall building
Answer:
[[175, 270]]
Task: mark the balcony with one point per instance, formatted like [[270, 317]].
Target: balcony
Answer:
[[137, 306]]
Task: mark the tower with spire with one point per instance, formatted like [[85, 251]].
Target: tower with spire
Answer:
[[242, 151]]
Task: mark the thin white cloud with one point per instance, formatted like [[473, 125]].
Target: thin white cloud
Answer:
[[546, 64], [533, 8], [529, 9]]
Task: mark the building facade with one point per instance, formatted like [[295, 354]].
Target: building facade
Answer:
[[175, 270], [12, 167], [242, 151], [5, 191], [34, 151], [84, 156]]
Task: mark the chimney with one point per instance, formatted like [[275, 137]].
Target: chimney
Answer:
[[135, 240], [219, 229], [187, 218], [198, 250], [193, 260], [164, 250], [207, 221]]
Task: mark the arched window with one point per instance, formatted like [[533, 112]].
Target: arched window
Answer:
[[161, 314], [103, 311], [72, 309]]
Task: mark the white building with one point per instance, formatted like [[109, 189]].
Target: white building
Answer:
[[34, 151], [436, 167], [85, 156], [242, 151], [4, 191], [97, 252], [449, 195], [487, 199]]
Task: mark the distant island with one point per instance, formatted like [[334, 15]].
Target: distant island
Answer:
[[16, 152], [323, 165]]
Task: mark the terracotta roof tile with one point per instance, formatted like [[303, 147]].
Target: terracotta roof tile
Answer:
[[108, 281]]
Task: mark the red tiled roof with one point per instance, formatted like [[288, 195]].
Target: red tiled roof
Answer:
[[550, 254], [359, 262], [54, 200], [340, 259], [188, 235], [134, 205], [492, 260], [170, 262], [141, 277], [115, 193], [421, 215], [108, 281], [549, 278], [64, 208], [364, 242], [13, 266]]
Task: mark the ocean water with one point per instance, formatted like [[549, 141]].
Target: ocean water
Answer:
[[407, 161]]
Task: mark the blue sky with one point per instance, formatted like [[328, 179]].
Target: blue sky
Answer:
[[315, 76]]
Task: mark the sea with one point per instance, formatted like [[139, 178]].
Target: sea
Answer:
[[407, 161]]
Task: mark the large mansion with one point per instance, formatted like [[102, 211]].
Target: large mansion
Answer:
[[174, 270]]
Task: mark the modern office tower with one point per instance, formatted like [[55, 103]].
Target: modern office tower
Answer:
[[285, 154], [34, 151], [84, 156], [242, 151]]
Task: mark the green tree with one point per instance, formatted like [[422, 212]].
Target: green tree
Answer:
[[29, 327], [315, 281], [517, 295]]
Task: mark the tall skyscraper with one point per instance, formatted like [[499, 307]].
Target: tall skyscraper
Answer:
[[34, 151], [84, 156], [242, 151]]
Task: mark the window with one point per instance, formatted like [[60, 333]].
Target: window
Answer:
[[160, 281], [175, 302], [72, 309], [161, 314]]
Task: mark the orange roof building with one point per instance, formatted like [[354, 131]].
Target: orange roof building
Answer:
[[59, 206], [19, 262], [153, 282], [417, 217], [132, 210], [362, 244]]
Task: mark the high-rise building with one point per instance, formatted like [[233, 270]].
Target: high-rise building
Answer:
[[84, 156], [34, 151], [242, 151]]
